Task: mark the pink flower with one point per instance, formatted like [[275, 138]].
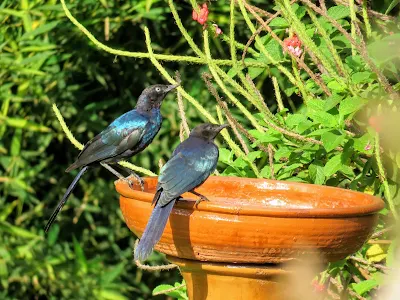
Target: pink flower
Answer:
[[202, 16], [376, 123], [293, 45], [218, 30], [318, 287]]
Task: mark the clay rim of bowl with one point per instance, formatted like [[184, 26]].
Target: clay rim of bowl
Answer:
[[361, 203]]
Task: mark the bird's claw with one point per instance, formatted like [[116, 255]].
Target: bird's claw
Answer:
[[140, 181], [201, 199]]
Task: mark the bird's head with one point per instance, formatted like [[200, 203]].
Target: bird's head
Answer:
[[207, 131], [153, 96]]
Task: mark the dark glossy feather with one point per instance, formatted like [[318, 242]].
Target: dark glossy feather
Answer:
[[191, 164], [121, 135]]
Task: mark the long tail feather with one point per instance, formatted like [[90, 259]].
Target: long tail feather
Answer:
[[154, 230], [64, 198]]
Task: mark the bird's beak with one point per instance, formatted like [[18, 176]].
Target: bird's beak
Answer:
[[171, 87], [223, 126]]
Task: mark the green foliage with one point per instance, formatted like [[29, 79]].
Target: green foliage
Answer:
[[324, 138]]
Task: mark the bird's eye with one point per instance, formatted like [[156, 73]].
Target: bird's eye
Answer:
[[158, 89]]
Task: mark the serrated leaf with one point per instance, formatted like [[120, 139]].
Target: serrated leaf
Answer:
[[339, 12], [364, 286], [364, 144], [279, 22], [336, 86], [225, 155], [164, 287], [361, 77], [332, 101], [331, 140], [323, 118], [292, 120], [316, 172], [333, 165], [350, 105]]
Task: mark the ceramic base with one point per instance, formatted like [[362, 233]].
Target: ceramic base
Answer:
[[215, 281]]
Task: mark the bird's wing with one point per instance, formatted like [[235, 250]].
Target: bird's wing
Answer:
[[187, 169], [121, 135]]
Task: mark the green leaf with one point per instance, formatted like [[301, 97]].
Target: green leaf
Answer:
[[17, 231], [80, 256], [339, 12], [391, 6], [376, 253], [333, 165], [22, 123], [292, 120], [316, 172], [279, 22], [16, 142], [364, 144], [350, 105], [53, 234], [109, 276], [111, 295], [332, 101], [163, 287], [364, 286], [336, 86], [40, 30], [323, 118], [331, 140], [361, 77], [225, 155]]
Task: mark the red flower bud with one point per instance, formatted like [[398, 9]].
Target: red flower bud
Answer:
[[202, 16]]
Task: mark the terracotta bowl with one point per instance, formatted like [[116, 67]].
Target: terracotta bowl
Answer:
[[257, 220]]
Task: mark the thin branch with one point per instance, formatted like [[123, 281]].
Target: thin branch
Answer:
[[164, 292], [152, 268]]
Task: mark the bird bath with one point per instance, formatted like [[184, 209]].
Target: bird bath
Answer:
[[236, 245]]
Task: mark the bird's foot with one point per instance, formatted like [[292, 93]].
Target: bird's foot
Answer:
[[127, 180], [201, 199], [139, 180]]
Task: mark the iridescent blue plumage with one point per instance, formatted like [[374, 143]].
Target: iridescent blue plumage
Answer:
[[191, 164], [126, 136]]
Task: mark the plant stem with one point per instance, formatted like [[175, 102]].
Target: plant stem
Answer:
[[366, 19], [353, 28], [278, 94], [382, 177]]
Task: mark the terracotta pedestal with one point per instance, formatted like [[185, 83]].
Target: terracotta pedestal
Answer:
[[236, 243], [216, 281]]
